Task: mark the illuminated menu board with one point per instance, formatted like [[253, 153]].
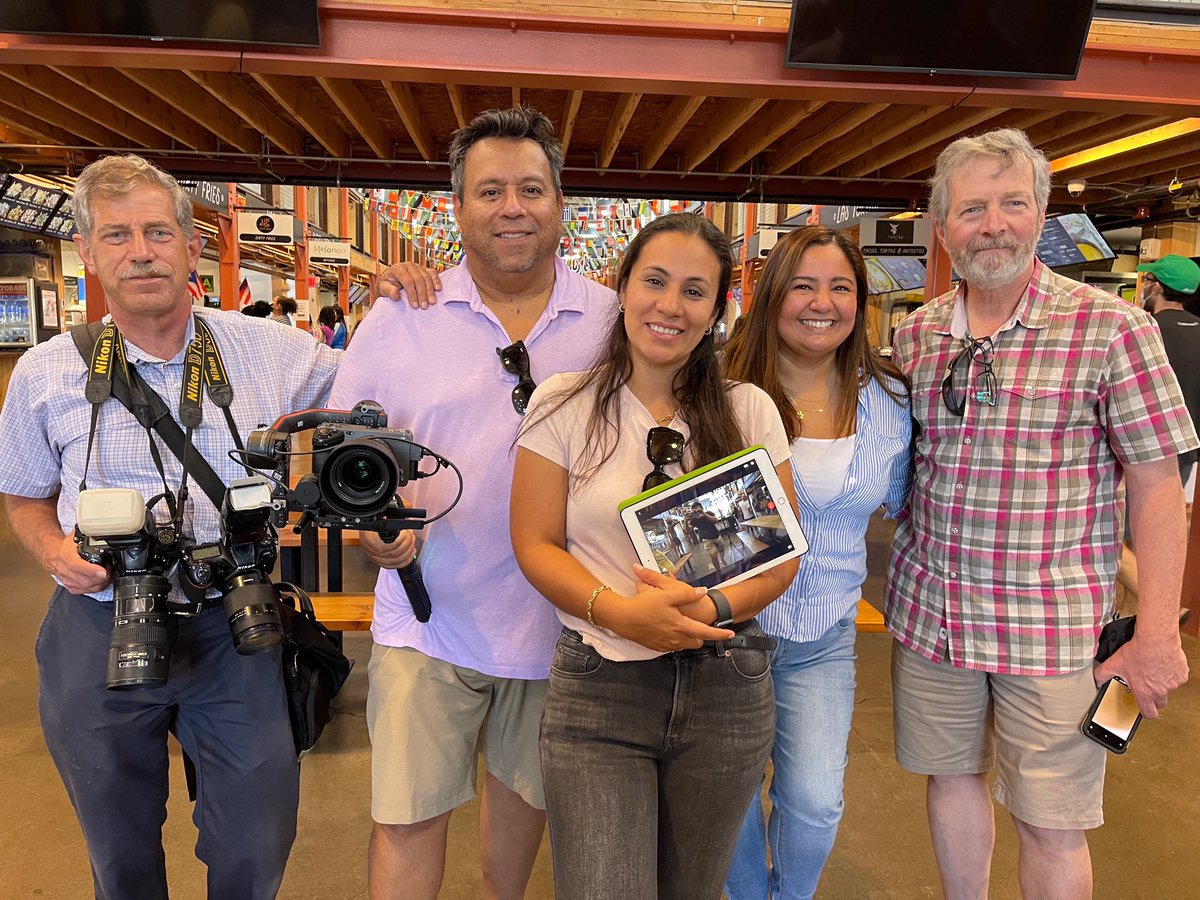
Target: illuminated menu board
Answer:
[[26, 205]]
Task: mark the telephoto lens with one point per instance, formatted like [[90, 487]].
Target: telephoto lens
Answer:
[[139, 652]]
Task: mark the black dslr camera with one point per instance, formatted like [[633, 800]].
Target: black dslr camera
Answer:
[[357, 465], [114, 529], [239, 566]]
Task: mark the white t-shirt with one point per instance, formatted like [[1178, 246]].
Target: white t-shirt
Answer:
[[595, 535], [823, 464]]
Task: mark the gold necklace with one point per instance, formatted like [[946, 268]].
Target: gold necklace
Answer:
[[800, 409], [663, 420]]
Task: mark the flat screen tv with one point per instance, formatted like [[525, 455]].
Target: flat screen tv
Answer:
[[1071, 240], [291, 23], [1016, 38]]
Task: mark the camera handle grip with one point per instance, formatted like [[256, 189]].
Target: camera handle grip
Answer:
[[413, 582]]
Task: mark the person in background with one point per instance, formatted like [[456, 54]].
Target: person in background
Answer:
[[1032, 396], [340, 332], [259, 309], [460, 375], [845, 411], [284, 310], [660, 713], [326, 320], [1170, 283], [228, 711]]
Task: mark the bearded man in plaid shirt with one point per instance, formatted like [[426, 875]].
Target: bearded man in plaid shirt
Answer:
[[1033, 397]]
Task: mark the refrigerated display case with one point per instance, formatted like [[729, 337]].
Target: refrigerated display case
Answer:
[[23, 322]]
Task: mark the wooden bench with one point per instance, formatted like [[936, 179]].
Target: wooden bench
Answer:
[[340, 611]]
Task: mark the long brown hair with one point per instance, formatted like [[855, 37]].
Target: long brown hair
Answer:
[[698, 386], [752, 354]]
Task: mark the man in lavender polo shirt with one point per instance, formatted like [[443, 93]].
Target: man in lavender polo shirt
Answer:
[[477, 668]]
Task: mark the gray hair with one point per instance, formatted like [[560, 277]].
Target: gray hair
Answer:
[[114, 177], [1008, 145], [517, 124]]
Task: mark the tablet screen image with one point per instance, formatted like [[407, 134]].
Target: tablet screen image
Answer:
[[718, 525]]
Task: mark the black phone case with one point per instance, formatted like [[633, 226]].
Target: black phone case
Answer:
[[1113, 635], [1092, 711]]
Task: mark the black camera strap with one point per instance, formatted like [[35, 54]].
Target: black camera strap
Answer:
[[147, 407]]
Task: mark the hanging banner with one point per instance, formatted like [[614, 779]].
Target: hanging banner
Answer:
[[265, 228], [330, 252]]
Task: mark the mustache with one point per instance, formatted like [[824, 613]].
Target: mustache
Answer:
[[146, 270], [991, 244]]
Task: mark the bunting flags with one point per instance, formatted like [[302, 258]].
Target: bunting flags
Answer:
[[244, 293], [195, 289]]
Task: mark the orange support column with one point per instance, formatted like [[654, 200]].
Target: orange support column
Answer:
[[938, 268], [747, 281], [229, 257], [300, 202], [93, 291]]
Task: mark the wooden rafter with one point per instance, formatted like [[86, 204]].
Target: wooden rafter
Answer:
[[38, 128], [923, 161], [124, 95], [570, 111], [228, 90], [43, 109], [678, 114], [357, 110], [765, 130], [1185, 147], [458, 102], [729, 117], [406, 107], [289, 94], [626, 106], [937, 131], [847, 122], [200, 106], [64, 94], [1112, 130], [880, 129], [1065, 124]]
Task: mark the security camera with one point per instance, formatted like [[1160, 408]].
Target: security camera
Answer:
[[1075, 188]]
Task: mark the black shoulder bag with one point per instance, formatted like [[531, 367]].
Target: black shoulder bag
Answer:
[[314, 667]]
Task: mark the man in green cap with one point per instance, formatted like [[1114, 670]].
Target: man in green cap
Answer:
[[1169, 283]]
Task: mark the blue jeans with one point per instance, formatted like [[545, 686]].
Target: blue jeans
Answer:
[[814, 701], [649, 767]]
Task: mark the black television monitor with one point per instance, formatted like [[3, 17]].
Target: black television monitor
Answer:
[[1071, 240], [1017, 38], [289, 23]]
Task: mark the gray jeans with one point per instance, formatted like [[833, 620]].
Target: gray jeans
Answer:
[[650, 766]]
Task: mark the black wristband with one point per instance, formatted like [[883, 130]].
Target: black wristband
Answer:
[[724, 610]]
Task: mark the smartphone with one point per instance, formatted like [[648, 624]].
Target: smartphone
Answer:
[[1114, 716]]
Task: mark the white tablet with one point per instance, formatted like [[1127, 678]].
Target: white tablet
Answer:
[[718, 525]]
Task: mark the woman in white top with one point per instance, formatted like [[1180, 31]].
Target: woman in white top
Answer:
[[658, 721], [846, 413]]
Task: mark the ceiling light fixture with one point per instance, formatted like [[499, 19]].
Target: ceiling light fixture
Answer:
[[1137, 141]]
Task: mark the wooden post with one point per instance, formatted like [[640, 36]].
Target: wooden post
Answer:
[[229, 257], [300, 208]]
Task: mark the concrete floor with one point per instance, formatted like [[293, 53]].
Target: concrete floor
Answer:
[[1148, 849]]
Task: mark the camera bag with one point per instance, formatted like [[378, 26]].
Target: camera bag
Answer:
[[314, 667]]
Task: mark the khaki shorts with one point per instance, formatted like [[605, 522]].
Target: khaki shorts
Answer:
[[425, 717], [952, 721]]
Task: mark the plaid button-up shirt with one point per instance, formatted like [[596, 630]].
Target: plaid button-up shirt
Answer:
[[1007, 557]]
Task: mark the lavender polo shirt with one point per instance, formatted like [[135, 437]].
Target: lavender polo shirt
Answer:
[[436, 372]]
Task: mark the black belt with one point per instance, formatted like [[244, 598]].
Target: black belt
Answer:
[[741, 641]]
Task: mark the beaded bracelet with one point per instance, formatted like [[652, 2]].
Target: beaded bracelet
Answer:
[[591, 602]]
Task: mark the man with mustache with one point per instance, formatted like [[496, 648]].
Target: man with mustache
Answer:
[[137, 236], [1033, 397]]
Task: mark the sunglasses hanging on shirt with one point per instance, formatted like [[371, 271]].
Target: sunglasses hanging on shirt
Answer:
[[959, 384], [515, 359], [664, 447]]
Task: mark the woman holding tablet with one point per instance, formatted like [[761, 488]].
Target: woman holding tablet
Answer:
[[846, 414], [659, 715]]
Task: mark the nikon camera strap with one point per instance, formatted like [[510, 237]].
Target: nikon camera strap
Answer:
[[153, 412]]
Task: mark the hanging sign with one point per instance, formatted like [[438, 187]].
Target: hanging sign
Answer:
[[329, 252], [265, 228], [894, 237]]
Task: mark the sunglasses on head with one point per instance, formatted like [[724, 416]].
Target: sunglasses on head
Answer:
[[515, 359], [958, 385], [664, 447]]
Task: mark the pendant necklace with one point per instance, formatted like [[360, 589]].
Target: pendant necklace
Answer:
[[800, 409]]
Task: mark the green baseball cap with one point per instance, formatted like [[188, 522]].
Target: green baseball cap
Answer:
[[1177, 272]]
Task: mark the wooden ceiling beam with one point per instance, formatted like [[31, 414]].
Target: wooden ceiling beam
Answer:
[[61, 92], [1065, 124], [201, 107], [299, 105], [882, 128], [936, 132], [42, 131], [124, 95], [764, 130], [678, 114], [228, 90], [1114, 167], [847, 122], [410, 114], [729, 117], [1113, 130], [626, 106], [570, 113], [458, 102], [923, 162], [41, 108], [358, 112]]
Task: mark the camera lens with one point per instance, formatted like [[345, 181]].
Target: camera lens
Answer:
[[143, 632], [254, 619], [359, 478]]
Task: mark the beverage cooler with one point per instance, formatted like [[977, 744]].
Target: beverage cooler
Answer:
[[28, 312]]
